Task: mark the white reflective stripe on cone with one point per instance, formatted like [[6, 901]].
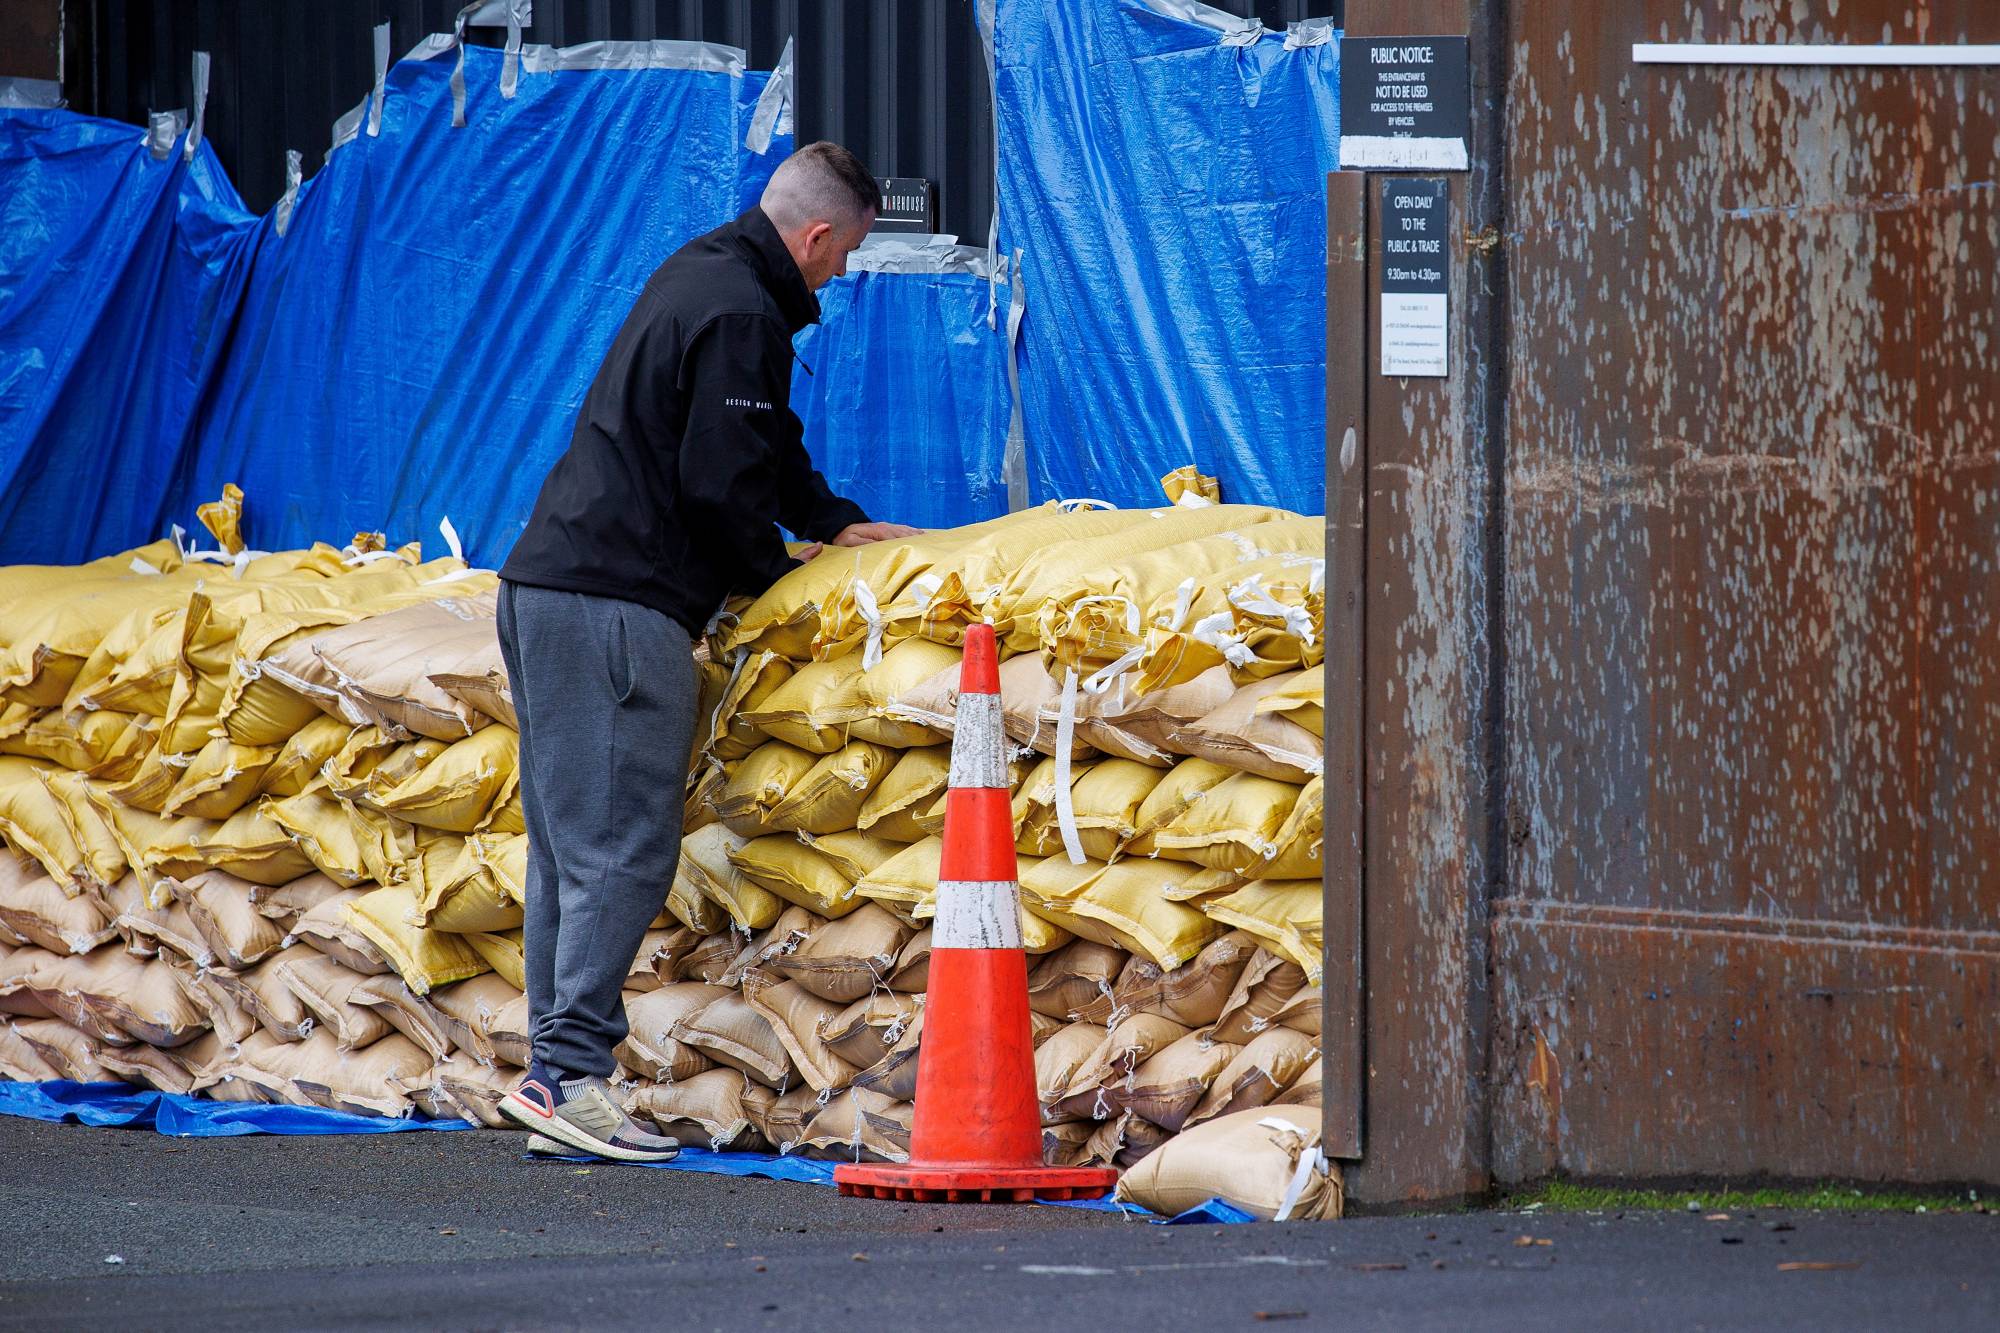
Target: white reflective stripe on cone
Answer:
[[979, 743], [977, 914]]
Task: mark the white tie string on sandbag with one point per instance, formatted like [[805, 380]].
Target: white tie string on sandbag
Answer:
[[457, 549], [871, 615], [1072, 841]]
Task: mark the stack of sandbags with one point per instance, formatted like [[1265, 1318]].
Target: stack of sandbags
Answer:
[[332, 879]]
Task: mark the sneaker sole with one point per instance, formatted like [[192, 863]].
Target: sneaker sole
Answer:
[[569, 1138]]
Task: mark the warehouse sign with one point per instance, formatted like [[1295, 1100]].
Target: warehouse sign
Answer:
[[1405, 103], [1415, 277], [908, 205]]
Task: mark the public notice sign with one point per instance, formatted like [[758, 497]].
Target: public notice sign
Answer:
[[1405, 103], [1416, 277]]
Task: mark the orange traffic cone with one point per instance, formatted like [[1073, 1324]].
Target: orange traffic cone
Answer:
[[977, 1136]]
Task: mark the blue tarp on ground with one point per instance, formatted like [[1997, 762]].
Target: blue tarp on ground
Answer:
[[1166, 180], [416, 344], [128, 1107], [906, 406]]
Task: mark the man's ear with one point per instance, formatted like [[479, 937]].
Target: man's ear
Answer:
[[819, 237]]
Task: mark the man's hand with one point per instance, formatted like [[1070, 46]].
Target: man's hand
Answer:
[[862, 534], [806, 553]]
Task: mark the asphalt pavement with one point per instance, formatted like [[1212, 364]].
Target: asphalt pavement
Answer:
[[457, 1231]]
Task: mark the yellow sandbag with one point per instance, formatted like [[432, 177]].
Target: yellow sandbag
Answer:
[[830, 795], [507, 815], [22, 581], [1280, 617], [101, 744], [813, 709], [759, 677], [323, 833], [1095, 616], [891, 810], [797, 873], [463, 895], [423, 958], [1035, 831], [302, 757], [221, 777], [687, 904], [381, 664], [1268, 743], [258, 708], [150, 782], [1126, 905], [1301, 698], [371, 762], [143, 837], [705, 864], [32, 820], [1286, 916], [903, 668], [785, 619], [1184, 784], [759, 783], [1055, 571], [132, 667], [905, 879], [250, 846], [51, 629], [224, 518], [1191, 488], [1107, 800], [455, 790], [1234, 827], [1301, 839], [504, 857], [853, 853], [854, 614]]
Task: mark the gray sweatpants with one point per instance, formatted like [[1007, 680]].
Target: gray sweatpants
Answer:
[[606, 695]]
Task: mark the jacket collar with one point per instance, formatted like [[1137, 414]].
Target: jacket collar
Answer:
[[758, 240]]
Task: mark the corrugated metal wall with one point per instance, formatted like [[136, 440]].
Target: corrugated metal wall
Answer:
[[901, 82]]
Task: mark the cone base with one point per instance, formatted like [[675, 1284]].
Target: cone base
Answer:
[[972, 1184]]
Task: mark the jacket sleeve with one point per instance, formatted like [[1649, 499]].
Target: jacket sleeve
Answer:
[[743, 464]]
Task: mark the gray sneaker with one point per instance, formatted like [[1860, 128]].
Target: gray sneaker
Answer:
[[582, 1116]]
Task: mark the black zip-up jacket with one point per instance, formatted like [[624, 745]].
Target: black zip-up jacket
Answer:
[[687, 454]]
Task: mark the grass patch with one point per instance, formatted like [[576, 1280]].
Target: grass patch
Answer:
[[1567, 1197]]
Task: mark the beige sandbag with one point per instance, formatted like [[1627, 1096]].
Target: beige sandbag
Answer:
[[326, 989], [71, 1054], [796, 872], [35, 908], [486, 694], [1063, 984], [911, 787], [286, 903], [236, 933], [859, 1125], [660, 952], [66, 985], [261, 992], [1267, 986], [1305, 1089], [475, 1090], [1271, 1062], [404, 1010], [731, 1031], [513, 1034], [149, 1005], [380, 667], [913, 966], [423, 958], [870, 1028], [1266, 1161], [17, 968], [228, 1021], [503, 951], [1192, 994], [1132, 1042], [706, 865], [1167, 1087], [650, 1049], [848, 958], [170, 930], [796, 1016], [20, 1061], [1059, 1059], [327, 928], [782, 1119], [1122, 722], [468, 1010], [1064, 1143], [1268, 743], [363, 1082], [706, 1109], [709, 959]]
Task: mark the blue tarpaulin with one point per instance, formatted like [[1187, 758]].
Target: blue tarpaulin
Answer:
[[416, 344], [1163, 172], [125, 1106], [906, 403]]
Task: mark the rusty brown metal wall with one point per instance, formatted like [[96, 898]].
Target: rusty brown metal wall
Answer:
[[1750, 922]]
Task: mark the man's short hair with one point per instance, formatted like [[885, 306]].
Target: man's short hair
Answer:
[[821, 182]]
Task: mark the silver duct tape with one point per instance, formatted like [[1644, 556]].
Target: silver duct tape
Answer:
[[348, 126], [202, 62], [381, 35], [162, 129], [1014, 458], [294, 174], [891, 253], [1235, 31], [774, 106], [30, 94], [979, 743], [973, 914], [710, 57], [518, 17], [1309, 32]]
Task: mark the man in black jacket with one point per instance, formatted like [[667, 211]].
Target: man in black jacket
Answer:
[[685, 461]]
